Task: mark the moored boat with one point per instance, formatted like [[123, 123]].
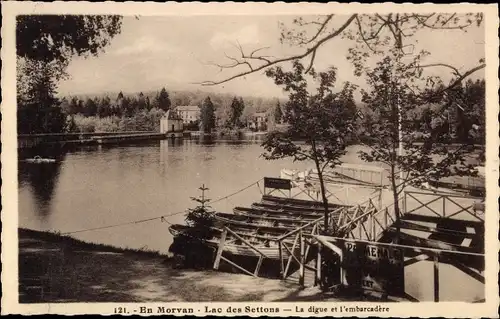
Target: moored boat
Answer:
[[292, 208], [39, 160], [178, 229], [294, 202], [233, 219], [271, 251], [258, 211], [268, 245]]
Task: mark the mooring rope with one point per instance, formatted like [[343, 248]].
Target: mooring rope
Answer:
[[237, 192], [162, 217]]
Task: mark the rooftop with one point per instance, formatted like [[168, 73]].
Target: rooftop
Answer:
[[262, 114], [172, 115], [192, 108]]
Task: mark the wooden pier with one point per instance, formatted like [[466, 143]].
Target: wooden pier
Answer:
[[32, 140], [445, 230], [126, 138]]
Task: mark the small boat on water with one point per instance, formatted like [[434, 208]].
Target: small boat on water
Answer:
[[291, 208], [232, 219], [39, 160], [178, 229], [259, 208], [275, 214], [243, 229], [294, 202], [271, 251], [266, 244]]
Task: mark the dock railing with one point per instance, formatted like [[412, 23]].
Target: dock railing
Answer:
[[437, 256], [372, 223], [306, 240], [443, 205], [300, 239]]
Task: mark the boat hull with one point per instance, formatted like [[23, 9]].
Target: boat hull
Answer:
[[231, 219], [268, 246]]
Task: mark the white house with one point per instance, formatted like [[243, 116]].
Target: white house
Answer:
[[258, 121], [189, 113]]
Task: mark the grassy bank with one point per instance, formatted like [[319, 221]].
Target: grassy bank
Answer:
[[54, 268]]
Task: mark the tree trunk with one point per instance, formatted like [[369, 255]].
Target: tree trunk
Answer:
[[396, 202], [323, 196], [322, 187]]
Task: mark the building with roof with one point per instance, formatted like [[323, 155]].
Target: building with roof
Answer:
[[258, 121], [171, 124], [189, 113]]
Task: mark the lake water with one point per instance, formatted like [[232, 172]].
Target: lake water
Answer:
[[94, 187], [99, 186]]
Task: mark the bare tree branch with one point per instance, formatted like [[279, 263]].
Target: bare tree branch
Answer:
[[464, 75], [321, 28], [296, 57], [311, 63], [442, 26], [395, 23], [457, 73], [361, 33]]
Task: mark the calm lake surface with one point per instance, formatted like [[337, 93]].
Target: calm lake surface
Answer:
[[99, 186]]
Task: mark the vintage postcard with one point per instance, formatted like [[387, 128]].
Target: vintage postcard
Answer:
[[250, 159]]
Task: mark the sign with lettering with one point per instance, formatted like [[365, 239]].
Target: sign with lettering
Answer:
[[373, 267], [277, 183]]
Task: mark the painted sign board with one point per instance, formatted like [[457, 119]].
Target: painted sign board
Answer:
[[373, 267], [277, 183]]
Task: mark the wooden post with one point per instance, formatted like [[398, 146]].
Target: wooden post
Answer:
[[374, 237], [282, 266], [404, 202], [291, 255], [302, 260], [444, 206], [385, 219], [318, 266], [257, 268], [220, 249], [358, 225], [436, 278]]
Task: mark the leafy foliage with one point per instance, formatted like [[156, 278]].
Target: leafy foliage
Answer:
[[162, 100], [278, 113], [191, 243], [207, 116], [320, 118], [51, 38], [38, 108], [236, 110], [399, 99], [45, 45]]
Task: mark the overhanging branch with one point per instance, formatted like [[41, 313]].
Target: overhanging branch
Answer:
[[308, 52]]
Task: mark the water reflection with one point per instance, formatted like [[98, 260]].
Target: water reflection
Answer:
[[94, 186], [42, 179]]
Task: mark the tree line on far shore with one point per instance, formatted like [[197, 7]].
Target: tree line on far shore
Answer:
[[41, 111]]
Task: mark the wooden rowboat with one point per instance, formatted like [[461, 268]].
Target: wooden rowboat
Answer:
[[267, 245], [295, 202], [39, 160], [232, 219], [271, 209], [277, 215], [271, 252], [251, 234]]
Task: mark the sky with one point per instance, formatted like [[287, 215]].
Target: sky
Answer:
[[177, 52]]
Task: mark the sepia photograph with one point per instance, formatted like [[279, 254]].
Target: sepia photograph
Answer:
[[333, 160]]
